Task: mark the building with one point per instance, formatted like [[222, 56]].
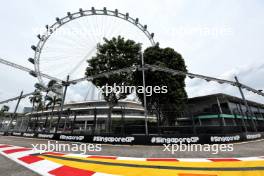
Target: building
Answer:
[[216, 114], [225, 111], [27, 109], [86, 117], [6, 118]]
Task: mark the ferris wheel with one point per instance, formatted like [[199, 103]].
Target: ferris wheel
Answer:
[[65, 46]]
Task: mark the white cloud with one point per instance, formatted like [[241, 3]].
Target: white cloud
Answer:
[[247, 74]]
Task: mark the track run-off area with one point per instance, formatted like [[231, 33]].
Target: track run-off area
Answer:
[[72, 164]]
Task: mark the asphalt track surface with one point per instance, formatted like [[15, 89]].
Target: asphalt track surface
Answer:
[[10, 168], [249, 149], [244, 149]]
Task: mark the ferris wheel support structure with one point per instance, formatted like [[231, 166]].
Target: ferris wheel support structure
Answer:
[[22, 68]]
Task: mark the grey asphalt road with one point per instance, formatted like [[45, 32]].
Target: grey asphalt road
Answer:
[[10, 168]]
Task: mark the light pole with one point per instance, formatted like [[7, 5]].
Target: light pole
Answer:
[[145, 99], [15, 111], [246, 104]]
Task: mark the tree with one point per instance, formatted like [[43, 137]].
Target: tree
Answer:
[[4, 109], [168, 104], [51, 90], [113, 54], [52, 101], [39, 107], [34, 100], [52, 85]]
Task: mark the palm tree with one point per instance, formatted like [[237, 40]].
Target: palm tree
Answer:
[[1, 116], [52, 86], [39, 107], [52, 101], [2, 112], [34, 100], [4, 109]]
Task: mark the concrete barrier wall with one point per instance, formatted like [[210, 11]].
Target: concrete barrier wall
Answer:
[[145, 140]]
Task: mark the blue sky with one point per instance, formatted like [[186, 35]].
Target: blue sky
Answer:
[[216, 38]]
